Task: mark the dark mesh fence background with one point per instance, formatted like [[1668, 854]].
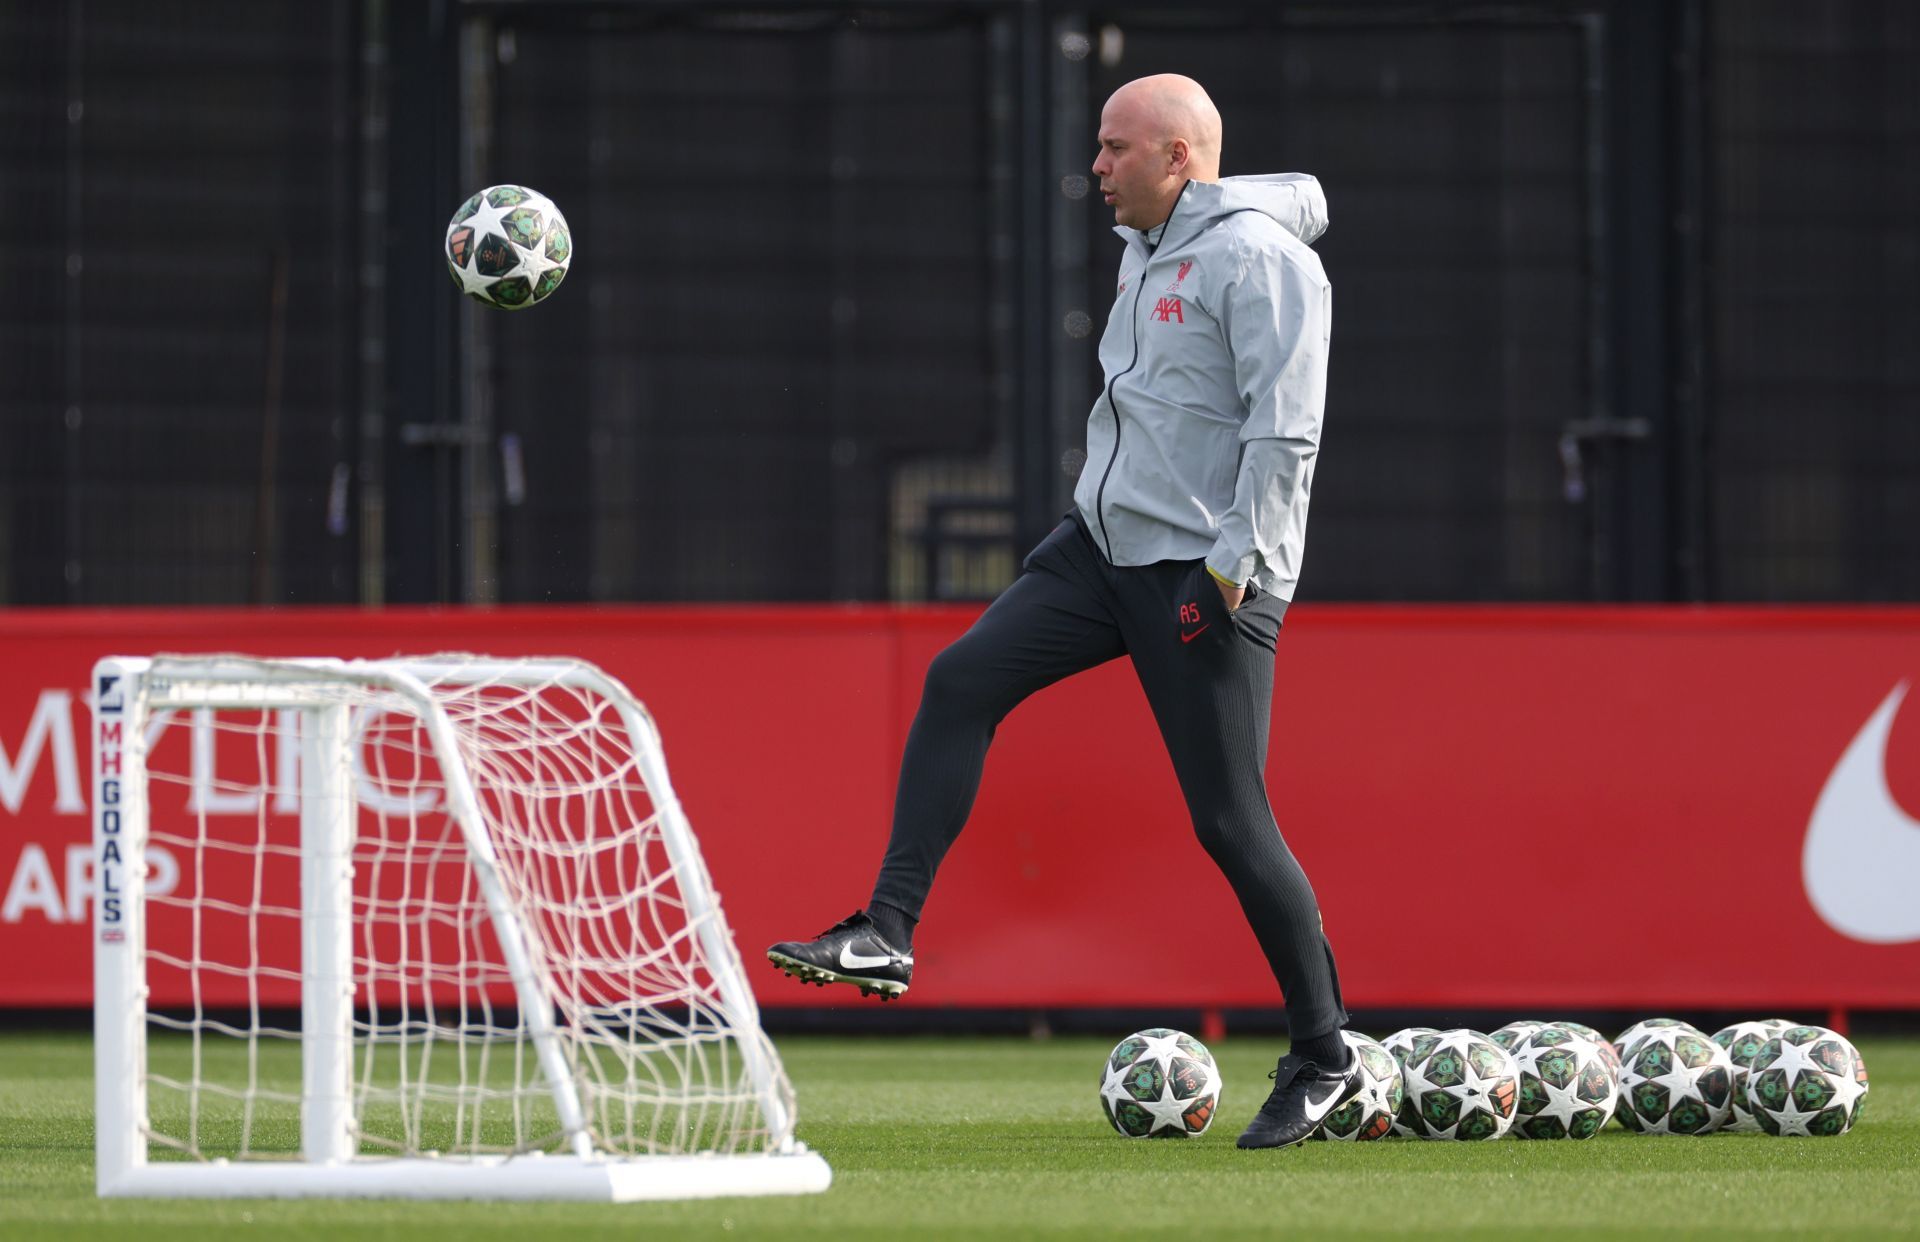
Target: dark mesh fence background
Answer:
[[804, 318], [162, 159], [780, 294], [1814, 118], [1453, 158], [34, 475]]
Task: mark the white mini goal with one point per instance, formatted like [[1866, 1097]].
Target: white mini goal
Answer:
[[428, 928]]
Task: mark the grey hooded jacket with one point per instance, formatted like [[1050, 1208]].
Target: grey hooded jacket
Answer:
[[1203, 441]]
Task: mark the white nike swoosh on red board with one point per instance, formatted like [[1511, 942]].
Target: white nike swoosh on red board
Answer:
[[1861, 859]]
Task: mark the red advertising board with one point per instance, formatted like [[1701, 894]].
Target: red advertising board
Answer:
[[1520, 808]]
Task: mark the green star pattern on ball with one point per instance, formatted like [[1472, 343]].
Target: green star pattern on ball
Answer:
[[508, 247], [1160, 1083], [1806, 1081]]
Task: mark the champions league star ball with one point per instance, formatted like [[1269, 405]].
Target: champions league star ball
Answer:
[[1640, 1028], [1513, 1032], [1743, 1041], [1567, 1086], [1368, 1115], [1599, 1041], [1160, 1084], [1401, 1044], [509, 247], [1462, 1085], [1806, 1080], [1674, 1080]]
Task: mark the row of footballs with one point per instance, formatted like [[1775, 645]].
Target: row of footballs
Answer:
[[1549, 1080]]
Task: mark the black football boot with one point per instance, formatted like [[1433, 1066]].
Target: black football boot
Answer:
[[1303, 1095], [852, 951]]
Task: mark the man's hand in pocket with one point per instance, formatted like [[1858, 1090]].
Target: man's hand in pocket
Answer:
[[1230, 593]]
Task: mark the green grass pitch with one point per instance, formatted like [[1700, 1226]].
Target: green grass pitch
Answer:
[[1002, 1138]]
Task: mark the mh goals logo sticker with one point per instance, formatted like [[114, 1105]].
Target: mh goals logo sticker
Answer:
[[109, 864]]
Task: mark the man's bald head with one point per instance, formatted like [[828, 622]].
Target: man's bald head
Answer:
[[1156, 134], [1177, 108]]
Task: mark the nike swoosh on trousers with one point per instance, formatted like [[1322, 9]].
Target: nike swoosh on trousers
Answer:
[[1861, 860]]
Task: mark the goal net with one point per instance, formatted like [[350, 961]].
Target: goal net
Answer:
[[430, 927]]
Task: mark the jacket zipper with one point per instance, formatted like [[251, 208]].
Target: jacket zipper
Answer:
[[1100, 495]]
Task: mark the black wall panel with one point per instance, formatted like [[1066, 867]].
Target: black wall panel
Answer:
[[826, 280], [178, 170], [1814, 296], [779, 294]]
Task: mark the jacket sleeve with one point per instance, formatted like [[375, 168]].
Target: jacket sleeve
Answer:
[[1277, 314]]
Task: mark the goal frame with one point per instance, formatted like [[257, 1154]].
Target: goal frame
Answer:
[[328, 1165]]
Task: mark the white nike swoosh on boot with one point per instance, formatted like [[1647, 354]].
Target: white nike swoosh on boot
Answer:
[[1862, 852], [856, 961], [1315, 1114]]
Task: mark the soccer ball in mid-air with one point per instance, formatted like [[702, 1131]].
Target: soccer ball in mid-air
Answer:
[[1368, 1115], [509, 247], [1806, 1080], [1743, 1041], [1567, 1087], [1462, 1085], [1674, 1080], [1401, 1044], [1160, 1083]]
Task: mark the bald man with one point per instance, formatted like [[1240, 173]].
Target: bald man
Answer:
[[1181, 553]]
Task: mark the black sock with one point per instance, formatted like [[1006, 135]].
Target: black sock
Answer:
[[1328, 1051], [895, 925]]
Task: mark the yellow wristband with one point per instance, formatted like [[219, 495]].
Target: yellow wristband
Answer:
[[1219, 577]]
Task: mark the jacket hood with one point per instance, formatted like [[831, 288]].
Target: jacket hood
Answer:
[[1291, 200], [1294, 201]]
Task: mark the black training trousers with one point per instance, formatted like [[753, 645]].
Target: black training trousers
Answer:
[[1208, 674]]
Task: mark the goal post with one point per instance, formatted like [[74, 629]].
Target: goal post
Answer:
[[429, 927]]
